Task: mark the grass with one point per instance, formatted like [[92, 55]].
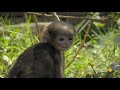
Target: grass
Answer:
[[13, 41], [96, 55]]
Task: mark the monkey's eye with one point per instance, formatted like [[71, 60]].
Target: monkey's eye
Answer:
[[71, 38], [61, 39]]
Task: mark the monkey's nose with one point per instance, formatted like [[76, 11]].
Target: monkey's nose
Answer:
[[67, 44]]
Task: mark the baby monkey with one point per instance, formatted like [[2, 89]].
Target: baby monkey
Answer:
[[42, 60]]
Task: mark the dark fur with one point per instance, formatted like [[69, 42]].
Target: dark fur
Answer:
[[38, 61]]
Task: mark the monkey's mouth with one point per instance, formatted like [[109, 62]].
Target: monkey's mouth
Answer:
[[65, 47]]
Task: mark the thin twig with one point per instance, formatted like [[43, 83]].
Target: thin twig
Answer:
[[55, 14], [102, 51], [80, 25], [92, 68], [81, 46], [37, 27], [83, 26], [73, 17]]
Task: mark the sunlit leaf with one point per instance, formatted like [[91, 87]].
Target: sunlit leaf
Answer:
[[5, 58], [109, 69], [99, 24]]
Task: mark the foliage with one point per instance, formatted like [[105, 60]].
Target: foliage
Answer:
[[13, 41], [97, 54], [97, 58]]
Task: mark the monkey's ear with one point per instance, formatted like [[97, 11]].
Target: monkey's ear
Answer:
[[45, 35]]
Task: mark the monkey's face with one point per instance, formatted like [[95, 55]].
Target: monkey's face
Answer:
[[60, 35], [63, 42]]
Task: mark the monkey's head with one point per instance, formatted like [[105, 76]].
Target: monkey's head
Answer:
[[60, 35]]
